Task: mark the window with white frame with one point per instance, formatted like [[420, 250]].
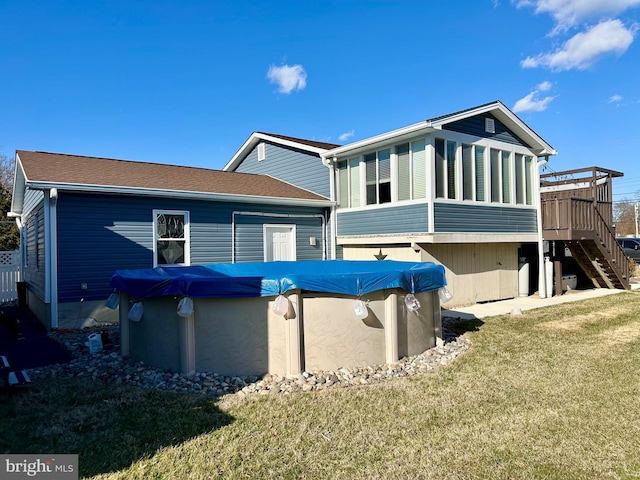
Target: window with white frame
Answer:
[[524, 179], [412, 170], [511, 177], [473, 172], [349, 183], [171, 237], [446, 169], [378, 177]]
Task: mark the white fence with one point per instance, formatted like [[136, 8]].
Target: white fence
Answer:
[[9, 275]]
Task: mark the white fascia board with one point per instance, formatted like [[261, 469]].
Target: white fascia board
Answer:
[[150, 192], [255, 138], [19, 184], [429, 238], [367, 143]]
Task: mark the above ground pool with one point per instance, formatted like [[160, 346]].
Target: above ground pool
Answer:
[[279, 317]]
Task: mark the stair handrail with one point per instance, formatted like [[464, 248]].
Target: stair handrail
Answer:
[[608, 239]]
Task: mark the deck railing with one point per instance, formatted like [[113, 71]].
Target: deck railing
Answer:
[[580, 219]]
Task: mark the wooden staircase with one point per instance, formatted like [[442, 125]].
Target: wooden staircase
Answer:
[[595, 263], [581, 217]]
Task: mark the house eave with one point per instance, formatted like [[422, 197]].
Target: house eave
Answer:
[[207, 196], [501, 112], [357, 147]]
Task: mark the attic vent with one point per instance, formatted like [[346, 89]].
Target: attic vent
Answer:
[[261, 152], [489, 125]]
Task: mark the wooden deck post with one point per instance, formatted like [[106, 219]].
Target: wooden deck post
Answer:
[[557, 267]]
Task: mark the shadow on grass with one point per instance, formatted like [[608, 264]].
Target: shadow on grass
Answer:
[[456, 324], [109, 426]]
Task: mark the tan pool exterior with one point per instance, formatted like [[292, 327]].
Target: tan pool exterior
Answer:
[[244, 337]]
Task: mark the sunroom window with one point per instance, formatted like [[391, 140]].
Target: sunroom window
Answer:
[[171, 242], [412, 170], [378, 176], [473, 176], [501, 176], [524, 179], [349, 183], [446, 169]]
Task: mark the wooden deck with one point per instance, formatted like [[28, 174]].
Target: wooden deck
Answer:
[[577, 210]]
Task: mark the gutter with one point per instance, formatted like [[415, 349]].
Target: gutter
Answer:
[[217, 197]]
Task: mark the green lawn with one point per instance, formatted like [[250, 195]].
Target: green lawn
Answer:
[[554, 393]]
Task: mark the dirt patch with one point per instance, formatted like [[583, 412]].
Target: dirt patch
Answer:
[[621, 335], [577, 322]]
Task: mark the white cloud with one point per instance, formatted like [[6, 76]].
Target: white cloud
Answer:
[[568, 13], [532, 102], [583, 49], [288, 77], [615, 99], [544, 86], [346, 135]]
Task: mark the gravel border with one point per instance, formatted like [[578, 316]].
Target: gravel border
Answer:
[[108, 365]]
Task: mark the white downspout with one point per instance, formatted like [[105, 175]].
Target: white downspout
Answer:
[[331, 164], [542, 285], [51, 252]]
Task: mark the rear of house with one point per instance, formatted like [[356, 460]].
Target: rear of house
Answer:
[[461, 190]]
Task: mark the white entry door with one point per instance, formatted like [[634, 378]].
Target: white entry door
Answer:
[[279, 242]]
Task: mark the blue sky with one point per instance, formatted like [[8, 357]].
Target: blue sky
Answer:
[[187, 82]]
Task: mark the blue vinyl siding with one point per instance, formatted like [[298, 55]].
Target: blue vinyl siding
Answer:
[[461, 218], [34, 271], [381, 221], [298, 167], [32, 199], [98, 234], [475, 126], [250, 239]]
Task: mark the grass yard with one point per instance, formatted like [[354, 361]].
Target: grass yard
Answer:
[[554, 393]]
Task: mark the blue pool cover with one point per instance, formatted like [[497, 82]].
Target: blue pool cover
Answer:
[[264, 279]]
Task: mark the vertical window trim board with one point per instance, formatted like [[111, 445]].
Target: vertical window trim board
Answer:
[[430, 153], [187, 228]]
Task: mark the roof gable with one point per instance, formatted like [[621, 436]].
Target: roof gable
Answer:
[[257, 137], [495, 109]]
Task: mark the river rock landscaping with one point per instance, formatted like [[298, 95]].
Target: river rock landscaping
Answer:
[[108, 365]]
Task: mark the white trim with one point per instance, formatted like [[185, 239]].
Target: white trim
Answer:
[[187, 236], [255, 138], [409, 238], [217, 197], [537, 145], [292, 239]]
